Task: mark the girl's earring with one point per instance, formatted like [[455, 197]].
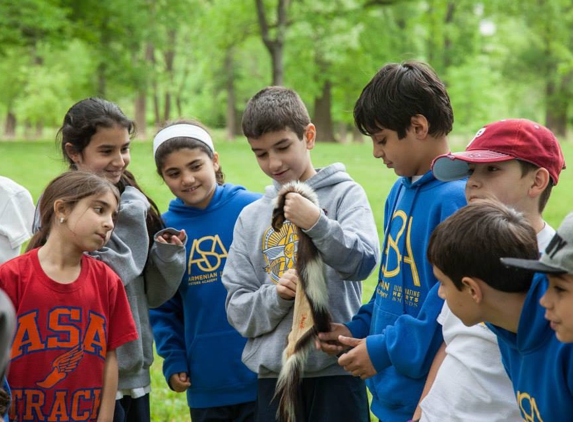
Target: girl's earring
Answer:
[[62, 219]]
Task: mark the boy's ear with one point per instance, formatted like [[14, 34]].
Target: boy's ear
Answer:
[[541, 179], [419, 126], [473, 287], [71, 152], [310, 136]]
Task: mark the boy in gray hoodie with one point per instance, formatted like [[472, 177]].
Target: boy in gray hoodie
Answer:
[[260, 277]]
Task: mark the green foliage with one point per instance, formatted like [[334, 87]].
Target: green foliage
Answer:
[[184, 55]]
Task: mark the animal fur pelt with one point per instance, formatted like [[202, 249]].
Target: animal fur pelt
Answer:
[[311, 314]]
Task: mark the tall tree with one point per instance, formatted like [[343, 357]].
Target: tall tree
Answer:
[[274, 45]]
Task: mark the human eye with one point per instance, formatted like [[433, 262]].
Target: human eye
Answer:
[[471, 171], [126, 149], [492, 169], [261, 154], [381, 141], [172, 174], [196, 167], [98, 209]]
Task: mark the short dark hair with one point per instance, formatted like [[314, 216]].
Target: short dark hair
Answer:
[[273, 109], [527, 168], [182, 142], [398, 92], [471, 242]]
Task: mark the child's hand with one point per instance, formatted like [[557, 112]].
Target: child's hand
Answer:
[[286, 287], [356, 361], [328, 342], [172, 237], [300, 211], [180, 382]]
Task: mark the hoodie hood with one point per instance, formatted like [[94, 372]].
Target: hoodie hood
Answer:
[[324, 177], [422, 183], [223, 194], [533, 330]]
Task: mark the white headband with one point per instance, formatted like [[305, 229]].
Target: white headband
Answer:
[[185, 130]]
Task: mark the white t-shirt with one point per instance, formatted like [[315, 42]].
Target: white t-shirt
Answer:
[[16, 217], [471, 384]]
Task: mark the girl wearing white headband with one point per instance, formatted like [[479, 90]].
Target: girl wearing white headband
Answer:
[[201, 351]]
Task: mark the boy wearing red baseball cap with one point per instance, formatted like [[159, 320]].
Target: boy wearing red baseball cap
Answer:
[[517, 162]]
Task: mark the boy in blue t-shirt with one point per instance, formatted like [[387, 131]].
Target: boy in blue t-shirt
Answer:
[[406, 111], [478, 286]]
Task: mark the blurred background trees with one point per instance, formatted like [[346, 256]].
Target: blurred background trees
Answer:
[[164, 59]]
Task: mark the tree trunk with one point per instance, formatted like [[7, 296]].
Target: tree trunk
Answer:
[[141, 100], [556, 110], [274, 46], [278, 68], [342, 133], [10, 127], [357, 136], [322, 115], [231, 120], [140, 109], [169, 57]]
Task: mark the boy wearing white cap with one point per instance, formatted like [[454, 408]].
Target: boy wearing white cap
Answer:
[[517, 162]]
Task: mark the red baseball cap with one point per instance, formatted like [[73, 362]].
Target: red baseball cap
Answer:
[[511, 139]]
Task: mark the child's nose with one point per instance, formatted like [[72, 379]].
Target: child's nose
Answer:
[[275, 163], [545, 301], [108, 223], [378, 152], [119, 160], [188, 178]]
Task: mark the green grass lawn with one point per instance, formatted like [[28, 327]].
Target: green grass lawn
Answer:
[[34, 163]]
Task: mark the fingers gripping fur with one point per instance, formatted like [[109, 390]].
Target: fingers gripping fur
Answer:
[[312, 282]]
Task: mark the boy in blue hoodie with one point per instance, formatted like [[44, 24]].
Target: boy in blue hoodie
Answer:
[[260, 274], [406, 111], [478, 286]]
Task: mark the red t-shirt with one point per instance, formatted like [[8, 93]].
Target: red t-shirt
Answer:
[[62, 335]]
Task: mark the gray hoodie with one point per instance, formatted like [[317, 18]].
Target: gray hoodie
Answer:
[[149, 281], [346, 237]]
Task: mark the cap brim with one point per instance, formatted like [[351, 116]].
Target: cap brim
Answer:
[[532, 265], [450, 167]]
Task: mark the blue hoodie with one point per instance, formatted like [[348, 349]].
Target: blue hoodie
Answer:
[[540, 366], [191, 330], [400, 321]]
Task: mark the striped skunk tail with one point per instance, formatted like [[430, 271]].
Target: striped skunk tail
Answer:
[[310, 315]]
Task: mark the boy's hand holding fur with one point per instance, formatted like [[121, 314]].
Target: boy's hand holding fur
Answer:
[[180, 382], [356, 361], [286, 287], [300, 211], [328, 342]]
